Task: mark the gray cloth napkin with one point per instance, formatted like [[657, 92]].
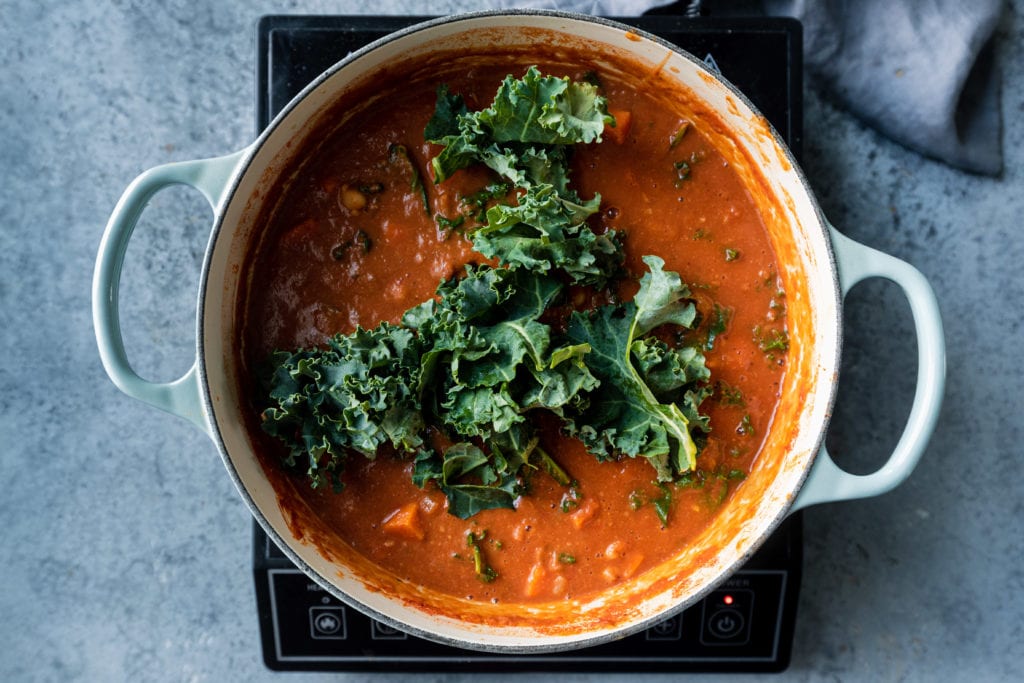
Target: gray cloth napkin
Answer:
[[918, 71], [922, 73]]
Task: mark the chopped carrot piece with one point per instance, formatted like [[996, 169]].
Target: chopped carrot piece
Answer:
[[534, 580], [586, 512], [618, 133], [633, 563], [405, 523]]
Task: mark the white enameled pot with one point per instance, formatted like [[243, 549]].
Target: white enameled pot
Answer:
[[818, 266]]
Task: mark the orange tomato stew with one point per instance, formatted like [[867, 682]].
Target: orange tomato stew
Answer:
[[363, 234]]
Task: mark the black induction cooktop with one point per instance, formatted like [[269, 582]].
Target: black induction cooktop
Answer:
[[744, 625]]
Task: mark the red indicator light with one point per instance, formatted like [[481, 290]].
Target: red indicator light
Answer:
[[727, 599]]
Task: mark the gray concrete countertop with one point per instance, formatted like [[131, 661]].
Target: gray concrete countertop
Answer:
[[126, 548]]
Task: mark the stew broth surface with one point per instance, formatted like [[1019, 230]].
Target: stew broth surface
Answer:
[[351, 243]]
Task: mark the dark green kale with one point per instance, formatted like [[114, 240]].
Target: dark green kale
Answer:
[[358, 393], [526, 137], [650, 392], [472, 363]]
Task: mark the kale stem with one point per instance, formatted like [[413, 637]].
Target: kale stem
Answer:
[[552, 467]]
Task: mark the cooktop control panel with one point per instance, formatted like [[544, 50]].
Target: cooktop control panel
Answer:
[[744, 624]]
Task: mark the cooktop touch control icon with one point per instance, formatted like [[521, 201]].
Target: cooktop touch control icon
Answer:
[[327, 623], [726, 618], [379, 631], [669, 629]]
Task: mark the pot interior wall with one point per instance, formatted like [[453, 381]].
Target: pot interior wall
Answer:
[[800, 241]]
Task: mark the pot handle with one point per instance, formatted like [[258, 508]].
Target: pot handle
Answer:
[[182, 396], [827, 482]]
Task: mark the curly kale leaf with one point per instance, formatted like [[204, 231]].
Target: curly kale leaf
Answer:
[[649, 392], [534, 110], [490, 359], [545, 232], [357, 393], [525, 136], [471, 479], [548, 110]]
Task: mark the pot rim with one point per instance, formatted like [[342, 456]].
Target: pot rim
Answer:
[[544, 643]]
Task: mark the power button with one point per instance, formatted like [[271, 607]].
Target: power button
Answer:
[[726, 619], [726, 624]]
